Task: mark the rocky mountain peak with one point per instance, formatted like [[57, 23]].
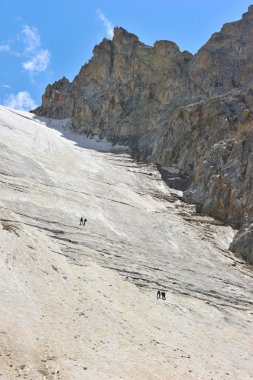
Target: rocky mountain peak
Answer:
[[174, 108], [122, 35], [168, 47], [248, 14]]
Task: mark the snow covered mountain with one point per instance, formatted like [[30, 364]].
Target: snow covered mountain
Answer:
[[174, 108], [79, 302]]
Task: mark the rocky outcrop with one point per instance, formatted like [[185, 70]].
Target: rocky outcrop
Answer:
[[173, 108], [225, 61], [125, 91]]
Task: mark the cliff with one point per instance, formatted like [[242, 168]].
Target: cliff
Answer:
[[175, 109]]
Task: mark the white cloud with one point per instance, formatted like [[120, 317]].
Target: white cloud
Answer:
[[6, 86], [34, 57], [21, 101], [31, 39], [38, 62], [107, 23], [4, 48], [37, 58]]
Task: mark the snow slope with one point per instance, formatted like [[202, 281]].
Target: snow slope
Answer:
[[80, 302]]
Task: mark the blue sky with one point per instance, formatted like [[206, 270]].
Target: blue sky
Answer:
[[41, 41]]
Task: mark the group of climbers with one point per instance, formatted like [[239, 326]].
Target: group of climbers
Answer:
[[161, 294], [82, 221]]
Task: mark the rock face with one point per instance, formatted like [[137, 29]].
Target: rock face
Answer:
[[175, 109]]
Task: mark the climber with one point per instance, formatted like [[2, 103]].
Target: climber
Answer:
[[81, 221], [158, 294], [85, 220]]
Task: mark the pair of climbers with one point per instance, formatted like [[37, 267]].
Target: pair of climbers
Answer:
[[82, 221], [161, 294]]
